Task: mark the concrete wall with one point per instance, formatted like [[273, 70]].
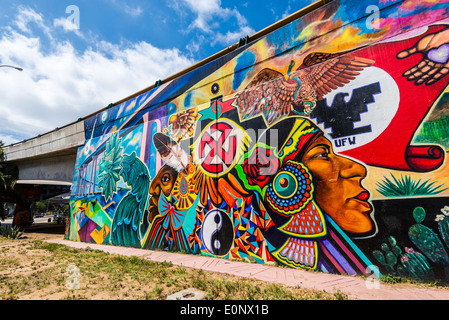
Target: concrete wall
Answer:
[[321, 146], [55, 170], [49, 158], [57, 141]]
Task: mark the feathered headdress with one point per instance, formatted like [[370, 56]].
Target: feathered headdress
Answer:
[[171, 153]]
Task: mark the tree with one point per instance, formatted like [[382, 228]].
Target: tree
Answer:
[[8, 178]]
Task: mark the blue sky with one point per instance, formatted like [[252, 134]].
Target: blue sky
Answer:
[[79, 56]]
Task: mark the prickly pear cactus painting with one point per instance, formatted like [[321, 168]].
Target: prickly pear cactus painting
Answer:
[[410, 264], [417, 265], [388, 258], [443, 224], [426, 240]]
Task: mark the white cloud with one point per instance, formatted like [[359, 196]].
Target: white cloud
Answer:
[[287, 12], [233, 37], [7, 139], [67, 25], [59, 84], [210, 15], [26, 16], [205, 11], [132, 11]]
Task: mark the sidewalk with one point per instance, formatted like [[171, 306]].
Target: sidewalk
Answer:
[[354, 287]]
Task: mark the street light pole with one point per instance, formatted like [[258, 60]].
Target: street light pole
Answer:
[[8, 66]]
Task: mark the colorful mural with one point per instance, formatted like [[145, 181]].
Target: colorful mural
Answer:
[[321, 146]]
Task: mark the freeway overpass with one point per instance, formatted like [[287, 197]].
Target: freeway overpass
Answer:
[[49, 158], [45, 165]]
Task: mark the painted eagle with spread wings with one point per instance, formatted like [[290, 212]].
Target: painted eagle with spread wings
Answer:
[[274, 95]]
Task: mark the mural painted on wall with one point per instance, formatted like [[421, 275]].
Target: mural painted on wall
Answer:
[[319, 152]]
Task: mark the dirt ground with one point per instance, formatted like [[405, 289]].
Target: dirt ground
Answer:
[[29, 272], [32, 269], [22, 265]]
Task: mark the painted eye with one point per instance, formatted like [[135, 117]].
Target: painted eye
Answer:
[[165, 178], [285, 185]]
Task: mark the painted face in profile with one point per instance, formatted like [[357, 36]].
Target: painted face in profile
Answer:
[[162, 183], [335, 184], [338, 188]]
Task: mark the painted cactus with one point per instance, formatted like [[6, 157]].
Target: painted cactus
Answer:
[[417, 265], [426, 240], [443, 224], [389, 259], [412, 263]]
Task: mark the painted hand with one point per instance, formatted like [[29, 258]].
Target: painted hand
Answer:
[[435, 62]]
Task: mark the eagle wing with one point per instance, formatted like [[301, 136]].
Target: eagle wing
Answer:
[[327, 72], [318, 57], [268, 93]]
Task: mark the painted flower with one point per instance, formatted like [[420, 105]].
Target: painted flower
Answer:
[[445, 213], [260, 166]]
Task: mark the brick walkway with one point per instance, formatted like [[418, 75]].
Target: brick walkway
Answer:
[[354, 287]]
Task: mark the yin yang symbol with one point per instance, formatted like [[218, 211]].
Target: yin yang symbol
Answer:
[[217, 232]]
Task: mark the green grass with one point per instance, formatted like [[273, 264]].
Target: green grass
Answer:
[[110, 276], [406, 186]]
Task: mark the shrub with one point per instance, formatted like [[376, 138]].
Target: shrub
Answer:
[[11, 232]]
